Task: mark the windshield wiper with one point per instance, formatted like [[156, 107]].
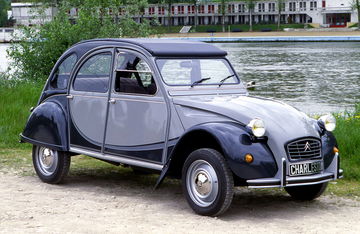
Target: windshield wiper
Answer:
[[199, 81], [223, 80]]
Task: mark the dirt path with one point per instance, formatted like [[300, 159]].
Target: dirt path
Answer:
[[126, 203]]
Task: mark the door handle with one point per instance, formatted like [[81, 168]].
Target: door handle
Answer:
[[112, 101], [70, 97]]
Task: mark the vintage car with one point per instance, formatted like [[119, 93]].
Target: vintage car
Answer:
[[177, 108]]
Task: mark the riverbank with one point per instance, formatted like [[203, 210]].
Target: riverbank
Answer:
[[291, 36]]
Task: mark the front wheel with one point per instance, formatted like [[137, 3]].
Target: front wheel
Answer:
[[306, 192], [207, 182], [50, 165]]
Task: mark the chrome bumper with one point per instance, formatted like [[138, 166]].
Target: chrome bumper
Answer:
[[331, 173]]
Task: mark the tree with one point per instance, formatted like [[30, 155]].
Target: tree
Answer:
[[250, 5], [223, 14], [280, 8], [40, 46], [357, 7], [4, 6]]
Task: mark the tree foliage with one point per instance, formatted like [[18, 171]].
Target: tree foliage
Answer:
[[4, 6], [40, 46]]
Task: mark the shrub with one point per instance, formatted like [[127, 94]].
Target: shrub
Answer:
[[40, 46]]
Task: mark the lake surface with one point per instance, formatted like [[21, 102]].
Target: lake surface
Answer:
[[3, 59], [314, 77]]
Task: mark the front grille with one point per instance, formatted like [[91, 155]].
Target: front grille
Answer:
[[304, 149]]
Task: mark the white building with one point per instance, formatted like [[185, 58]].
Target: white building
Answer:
[[326, 13]]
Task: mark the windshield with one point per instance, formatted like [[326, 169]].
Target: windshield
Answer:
[[196, 71]]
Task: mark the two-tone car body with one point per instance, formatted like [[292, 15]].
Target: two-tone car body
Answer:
[[180, 109]]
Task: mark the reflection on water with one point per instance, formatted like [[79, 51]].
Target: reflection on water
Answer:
[[3, 59], [314, 77]]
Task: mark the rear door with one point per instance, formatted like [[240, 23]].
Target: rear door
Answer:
[[88, 100]]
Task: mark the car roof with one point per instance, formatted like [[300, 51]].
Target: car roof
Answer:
[[162, 47]]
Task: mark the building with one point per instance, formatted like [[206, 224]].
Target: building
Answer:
[[324, 13]]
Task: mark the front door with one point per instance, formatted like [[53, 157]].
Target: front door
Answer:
[[137, 111], [88, 101]]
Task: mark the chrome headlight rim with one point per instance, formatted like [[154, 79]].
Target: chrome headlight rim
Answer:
[[327, 122], [257, 127]]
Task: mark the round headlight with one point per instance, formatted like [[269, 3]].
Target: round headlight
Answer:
[[329, 122], [257, 127]]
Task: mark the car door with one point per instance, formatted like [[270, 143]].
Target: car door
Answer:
[[88, 100], [137, 118]]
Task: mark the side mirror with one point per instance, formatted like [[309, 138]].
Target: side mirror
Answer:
[[251, 85]]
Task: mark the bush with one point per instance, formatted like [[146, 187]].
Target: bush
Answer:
[[348, 137], [40, 46]]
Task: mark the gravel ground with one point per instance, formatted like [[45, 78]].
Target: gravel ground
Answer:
[[94, 204]]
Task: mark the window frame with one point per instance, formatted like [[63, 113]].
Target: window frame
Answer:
[[189, 85], [85, 59], [51, 80], [115, 70]]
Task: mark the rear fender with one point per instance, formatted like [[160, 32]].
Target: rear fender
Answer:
[[47, 126]]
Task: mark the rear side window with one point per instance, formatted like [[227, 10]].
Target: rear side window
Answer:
[[94, 74], [62, 73]]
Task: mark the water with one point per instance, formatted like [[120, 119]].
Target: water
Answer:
[[4, 62], [314, 77]]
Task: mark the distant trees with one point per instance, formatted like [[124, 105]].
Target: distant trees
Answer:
[[41, 45], [250, 5], [280, 4], [4, 6], [357, 7]]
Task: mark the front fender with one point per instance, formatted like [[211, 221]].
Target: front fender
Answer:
[[236, 142], [47, 126]]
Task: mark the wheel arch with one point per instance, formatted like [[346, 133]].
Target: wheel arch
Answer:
[[47, 126], [192, 140]]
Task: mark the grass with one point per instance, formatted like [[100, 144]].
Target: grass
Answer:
[[15, 102], [17, 98], [218, 28]]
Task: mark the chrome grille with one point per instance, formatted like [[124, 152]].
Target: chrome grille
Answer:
[[304, 149]]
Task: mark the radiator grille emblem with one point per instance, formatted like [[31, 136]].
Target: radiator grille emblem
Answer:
[[307, 147]]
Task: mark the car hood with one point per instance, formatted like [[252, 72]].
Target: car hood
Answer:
[[281, 120]]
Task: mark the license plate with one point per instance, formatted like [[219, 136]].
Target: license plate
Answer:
[[308, 168]]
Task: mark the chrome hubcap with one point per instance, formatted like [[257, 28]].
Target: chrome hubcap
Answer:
[[202, 183], [47, 160]]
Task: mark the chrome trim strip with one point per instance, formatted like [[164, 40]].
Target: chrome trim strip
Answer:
[[118, 159]]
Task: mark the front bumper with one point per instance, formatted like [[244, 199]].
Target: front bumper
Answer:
[[333, 172]]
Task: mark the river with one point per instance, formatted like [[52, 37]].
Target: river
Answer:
[[314, 77]]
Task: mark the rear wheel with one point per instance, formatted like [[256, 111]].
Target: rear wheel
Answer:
[[50, 165], [306, 192], [207, 182]]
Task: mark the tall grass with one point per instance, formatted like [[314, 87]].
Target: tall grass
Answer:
[[16, 99], [348, 137]]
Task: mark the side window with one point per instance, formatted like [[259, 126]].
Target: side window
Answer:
[[133, 75], [62, 73], [94, 74]]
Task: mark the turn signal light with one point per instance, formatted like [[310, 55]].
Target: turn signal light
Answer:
[[336, 150], [249, 158]]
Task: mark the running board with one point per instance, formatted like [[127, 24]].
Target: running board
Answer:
[[118, 159]]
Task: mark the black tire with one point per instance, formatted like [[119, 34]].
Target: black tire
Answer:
[[306, 192], [218, 191], [50, 165]]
